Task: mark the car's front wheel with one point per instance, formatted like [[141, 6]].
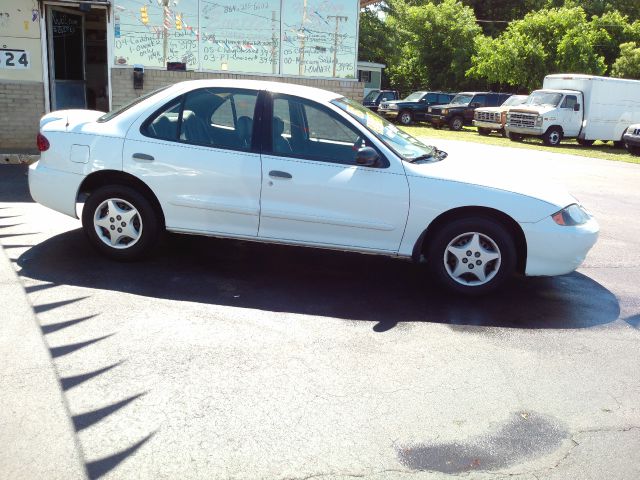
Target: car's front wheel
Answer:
[[120, 222], [472, 256], [456, 124], [484, 131], [405, 117], [552, 137]]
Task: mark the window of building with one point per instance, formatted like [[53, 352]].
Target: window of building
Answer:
[[364, 76]]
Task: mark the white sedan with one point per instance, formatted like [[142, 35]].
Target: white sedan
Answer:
[[288, 164]]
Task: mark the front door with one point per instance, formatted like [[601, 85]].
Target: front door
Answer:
[[571, 115], [66, 58], [314, 193], [197, 154]]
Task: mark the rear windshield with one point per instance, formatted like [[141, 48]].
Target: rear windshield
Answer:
[[114, 113]]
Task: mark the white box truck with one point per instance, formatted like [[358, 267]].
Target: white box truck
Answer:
[[585, 107]]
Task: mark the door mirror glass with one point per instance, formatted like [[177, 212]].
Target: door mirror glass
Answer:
[[576, 107], [367, 157]]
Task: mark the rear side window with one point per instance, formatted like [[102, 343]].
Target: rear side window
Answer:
[[114, 113], [444, 98], [432, 98], [480, 99], [221, 118]]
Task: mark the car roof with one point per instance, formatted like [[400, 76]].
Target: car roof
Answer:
[[275, 87]]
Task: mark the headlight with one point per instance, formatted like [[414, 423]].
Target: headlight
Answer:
[[445, 111], [393, 106], [571, 216], [538, 121]]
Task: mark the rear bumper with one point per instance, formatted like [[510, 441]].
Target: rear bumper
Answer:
[[55, 189], [556, 250]]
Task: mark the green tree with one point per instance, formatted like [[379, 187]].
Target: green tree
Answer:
[[543, 42], [434, 44], [628, 64]]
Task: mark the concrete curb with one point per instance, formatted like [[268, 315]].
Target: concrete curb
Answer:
[[18, 158], [36, 433]]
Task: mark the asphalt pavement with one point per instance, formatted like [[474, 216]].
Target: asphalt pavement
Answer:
[[227, 359]]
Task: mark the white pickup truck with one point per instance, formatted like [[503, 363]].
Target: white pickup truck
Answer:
[[585, 107]]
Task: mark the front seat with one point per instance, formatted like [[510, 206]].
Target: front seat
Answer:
[[244, 129], [280, 143]]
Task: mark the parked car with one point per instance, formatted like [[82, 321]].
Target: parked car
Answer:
[[294, 165], [459, 112], [373, 99], [631, 139], [488, 119], [585, 107], [414, 107]]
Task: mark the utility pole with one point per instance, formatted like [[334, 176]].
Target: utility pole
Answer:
[[339, 18], [274, 39], [165, 31], [302, 38]]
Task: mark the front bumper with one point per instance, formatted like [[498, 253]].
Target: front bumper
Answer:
[[630, 139], [55, 189], [487, 125], [439, 120], [536, 131], [556, 250], [393, 114]]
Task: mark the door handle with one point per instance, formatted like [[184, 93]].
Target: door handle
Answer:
[[143, 156], [279, 174]]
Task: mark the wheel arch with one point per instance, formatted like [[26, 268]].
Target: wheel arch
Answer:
[[423, 244], [559, 127], [103, 178]]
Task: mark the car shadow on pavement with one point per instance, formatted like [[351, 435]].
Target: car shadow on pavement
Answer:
[[317, 282], [14, 184]]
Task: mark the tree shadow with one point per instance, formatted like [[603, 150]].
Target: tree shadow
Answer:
[[317, 282], [15, 184]]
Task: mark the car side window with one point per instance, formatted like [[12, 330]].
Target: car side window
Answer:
[[492, 100], [219, 118], [303, 129], [432, 98], [569, 102], [444, 99], [164, 125], [386, 96], [479, 99]]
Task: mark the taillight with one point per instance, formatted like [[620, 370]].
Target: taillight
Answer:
[[43, 143]]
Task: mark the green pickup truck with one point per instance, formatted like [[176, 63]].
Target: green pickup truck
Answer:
[[414, 107]]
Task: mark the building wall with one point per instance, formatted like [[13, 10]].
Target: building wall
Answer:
[[123, 91], [21, 106], [20, 30]]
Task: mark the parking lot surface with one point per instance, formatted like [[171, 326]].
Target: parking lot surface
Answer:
[[228, 359]]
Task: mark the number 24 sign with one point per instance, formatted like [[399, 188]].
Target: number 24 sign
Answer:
[[14, 58]]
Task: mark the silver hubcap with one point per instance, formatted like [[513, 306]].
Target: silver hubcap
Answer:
[[457, 124], [554, 137], [405, 118], [472, 259], [117, 223]]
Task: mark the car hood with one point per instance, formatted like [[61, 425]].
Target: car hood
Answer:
[[489, 109], [497, 173], [535, 109]]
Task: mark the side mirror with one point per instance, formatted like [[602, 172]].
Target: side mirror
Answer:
[[475, 105], [367, 157], [576, 107]]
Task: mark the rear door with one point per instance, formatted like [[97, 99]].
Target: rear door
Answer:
[[314, 193], [198, 156]]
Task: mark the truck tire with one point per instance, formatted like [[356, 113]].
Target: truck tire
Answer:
[[456, 124], [632, 149], [552, 137], [405, 117], [514, 137], [484, 131]]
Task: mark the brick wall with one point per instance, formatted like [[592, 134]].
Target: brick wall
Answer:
[[21, 106], [123, 92]]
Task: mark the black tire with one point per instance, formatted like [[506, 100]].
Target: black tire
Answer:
[[496, 271], [456, 123], [514, 137], [632, 149], [503, 132], [552, 137], [405, 117], [484, 131], [145, 222], [585, 143], [618, 144]]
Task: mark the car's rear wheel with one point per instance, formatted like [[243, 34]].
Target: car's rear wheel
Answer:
[[472, 256], [120, 222], [405, 117], [456, 124], [484, 131]]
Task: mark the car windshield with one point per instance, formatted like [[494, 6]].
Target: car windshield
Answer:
[[114, 113], [414, 97], [400, 142], [371, 96], [544, 98], [515, 100], [461, 99]]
